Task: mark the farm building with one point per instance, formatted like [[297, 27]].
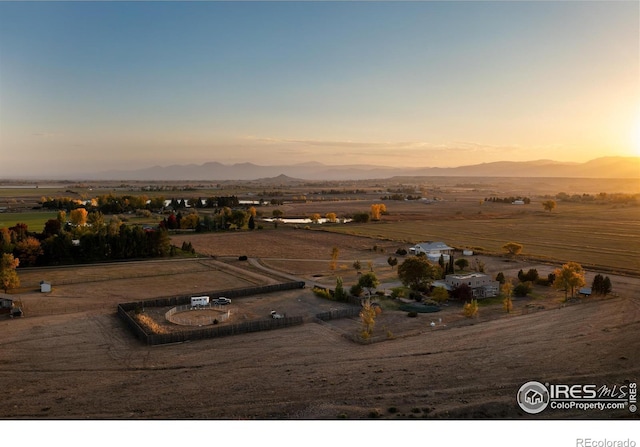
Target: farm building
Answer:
[[481, 284], [5, 305], [433, 250], [45, 287]]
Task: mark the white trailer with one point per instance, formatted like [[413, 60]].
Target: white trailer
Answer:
[[199, 301]]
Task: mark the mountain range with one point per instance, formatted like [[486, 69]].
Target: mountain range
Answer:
[[606, 167]]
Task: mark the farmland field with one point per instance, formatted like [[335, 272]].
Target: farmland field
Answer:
[[35, 220], [70, 357], [594, 235]]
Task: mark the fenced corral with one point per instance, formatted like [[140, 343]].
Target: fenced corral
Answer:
[[221, 331], [335, 314], [188, 315], [125, 309]]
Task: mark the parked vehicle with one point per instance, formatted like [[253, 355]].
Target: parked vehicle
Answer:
[[222, 301], [275, 315], [199, 301]]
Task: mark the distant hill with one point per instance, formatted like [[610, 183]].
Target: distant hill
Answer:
[[607, 167]]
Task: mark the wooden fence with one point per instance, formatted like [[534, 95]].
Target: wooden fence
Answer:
[[210, 332], [339, 313]]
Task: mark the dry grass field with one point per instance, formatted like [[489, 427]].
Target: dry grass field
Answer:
[[70, 357]]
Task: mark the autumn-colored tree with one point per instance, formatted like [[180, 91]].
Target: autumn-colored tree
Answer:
[[335, 252], [513, 248], [470, 309], [6, 246], [315, 218], [252, 211], [28, 250], [569, 277], [96, 220], [439, 294], [368, 317], [78, 216], [507, 292], [190, 222], [549, 205], [8, 275], [332, 217], [377, 209]]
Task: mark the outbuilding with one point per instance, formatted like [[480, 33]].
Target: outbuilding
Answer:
[[45, 287], [5, 305]]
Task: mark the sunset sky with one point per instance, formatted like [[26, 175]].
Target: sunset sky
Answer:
[[95, 86]]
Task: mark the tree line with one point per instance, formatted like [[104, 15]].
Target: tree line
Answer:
[[89, 239]]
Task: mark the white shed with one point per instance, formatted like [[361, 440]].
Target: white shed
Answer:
[[45, 287]]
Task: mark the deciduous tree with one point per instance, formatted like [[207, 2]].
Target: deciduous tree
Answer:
[[507, 291], [549, 205], [8, 275], [377, 209], [462, 263], [28, 250], [368, 317], [513, 248], [78, 216], [335, 252], [439, 294], [569, 277], [368, 281], [417, 272]]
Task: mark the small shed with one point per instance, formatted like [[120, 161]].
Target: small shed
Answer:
[[5, 305], [45, 287], [585, 291]]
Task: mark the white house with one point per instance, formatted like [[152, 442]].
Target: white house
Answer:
[[433, 250], [480, 283]]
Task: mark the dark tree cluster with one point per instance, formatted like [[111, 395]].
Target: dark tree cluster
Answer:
[[58, 245], [511, 199], [601, 285]]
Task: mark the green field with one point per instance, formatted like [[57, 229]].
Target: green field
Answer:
[[595, 236], [35, 220]]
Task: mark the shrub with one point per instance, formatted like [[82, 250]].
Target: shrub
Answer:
[[242, 258], [412, 314], [322, 292], [356, 290], [470, 309], [522, 289], [401, 252]]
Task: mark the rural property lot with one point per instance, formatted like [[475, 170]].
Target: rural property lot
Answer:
[[70, 357], [78, 362]]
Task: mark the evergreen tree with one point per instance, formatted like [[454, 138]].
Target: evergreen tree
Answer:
[[596, 285], [606, 286]]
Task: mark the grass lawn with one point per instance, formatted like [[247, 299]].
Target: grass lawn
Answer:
[[35, 220]]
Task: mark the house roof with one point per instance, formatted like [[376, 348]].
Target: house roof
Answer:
[[433, 246], [465, 276]]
